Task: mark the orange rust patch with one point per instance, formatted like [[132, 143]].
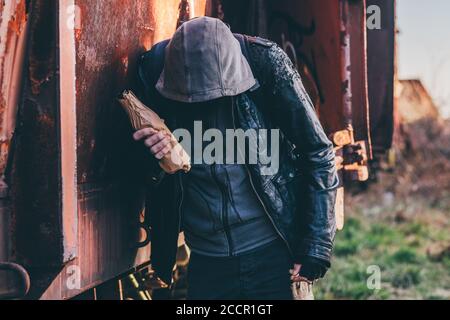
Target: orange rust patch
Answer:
[[18, 20]]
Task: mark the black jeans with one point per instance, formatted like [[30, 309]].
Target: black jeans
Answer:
[[262, 274]]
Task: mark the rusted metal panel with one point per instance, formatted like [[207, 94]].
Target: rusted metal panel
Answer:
[[32, 171], [77, 193], [360, 103], [108, 222], [381, 73], [34, 176], [247, 17], [109, 37], [310, 32], [12, 39], [13, 31], [346, 62]]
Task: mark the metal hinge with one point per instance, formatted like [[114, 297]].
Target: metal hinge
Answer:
[[351, 155], [351, 163]]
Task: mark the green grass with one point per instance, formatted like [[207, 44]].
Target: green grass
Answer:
[[398, 249]]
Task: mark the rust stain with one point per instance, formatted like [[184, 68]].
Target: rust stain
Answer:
[[184, 14], [12, 24], [8, 44], [41, 46], [17, 22]]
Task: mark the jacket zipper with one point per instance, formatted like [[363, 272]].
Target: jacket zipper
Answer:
[[253, 186], [181, 203], [226, 225]]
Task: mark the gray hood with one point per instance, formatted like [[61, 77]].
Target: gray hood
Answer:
[[204, 61]]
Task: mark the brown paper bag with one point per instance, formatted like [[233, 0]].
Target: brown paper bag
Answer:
[[302, 291], [142, 117]]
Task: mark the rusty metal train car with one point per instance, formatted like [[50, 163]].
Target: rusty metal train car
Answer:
[[70, 211]]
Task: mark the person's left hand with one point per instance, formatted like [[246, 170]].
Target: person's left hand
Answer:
[[295, 274]]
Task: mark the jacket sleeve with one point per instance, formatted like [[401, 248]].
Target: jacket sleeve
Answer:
[[145, 92], [297, 119]]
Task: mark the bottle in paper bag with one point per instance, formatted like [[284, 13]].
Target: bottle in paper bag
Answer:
[[142, 117]]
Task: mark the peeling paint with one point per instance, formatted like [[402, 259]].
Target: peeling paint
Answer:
[[12, 35]]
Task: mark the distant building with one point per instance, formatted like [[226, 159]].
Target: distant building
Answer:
[[417, 117], [414, 102]]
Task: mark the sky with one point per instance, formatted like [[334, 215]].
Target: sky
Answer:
[[424, 46]]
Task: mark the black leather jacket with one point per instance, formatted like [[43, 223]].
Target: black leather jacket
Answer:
[[299, 199]]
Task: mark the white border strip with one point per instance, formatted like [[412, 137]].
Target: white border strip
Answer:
[[68, 130]]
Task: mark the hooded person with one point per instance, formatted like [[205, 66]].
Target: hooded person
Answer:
[[203, 62], [245, 229]]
